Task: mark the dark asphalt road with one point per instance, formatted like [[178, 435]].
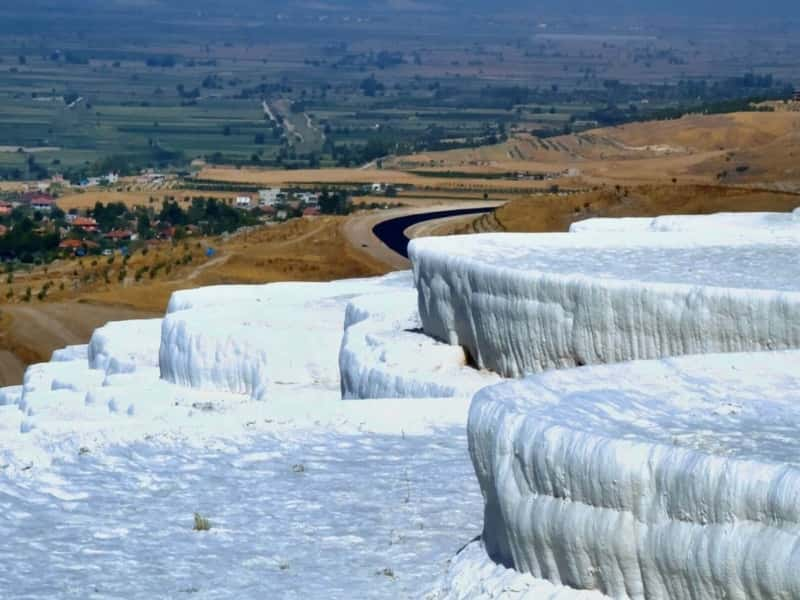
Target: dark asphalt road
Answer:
[[392, 232]]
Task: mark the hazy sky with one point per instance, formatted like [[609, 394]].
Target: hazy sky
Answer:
[[722, 9]]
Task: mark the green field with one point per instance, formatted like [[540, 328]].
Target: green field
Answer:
[[124, 88]]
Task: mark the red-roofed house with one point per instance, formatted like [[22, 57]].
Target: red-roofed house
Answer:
[[311, 211], [75, 245], [119, 235], [5, 209], [39, 201], [85, 223], [43, 204], [71, 244]]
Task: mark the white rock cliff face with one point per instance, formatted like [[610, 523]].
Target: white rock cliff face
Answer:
[[122, 346], [260, 337], [523, 304], [385, 354], [656, 479]]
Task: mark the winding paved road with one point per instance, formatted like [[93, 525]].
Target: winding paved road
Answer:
[[393, 232], [383, 234]]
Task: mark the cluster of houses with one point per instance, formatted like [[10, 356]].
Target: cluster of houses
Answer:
[[79, 234], [279, 203], [37, 201], [109, 179]]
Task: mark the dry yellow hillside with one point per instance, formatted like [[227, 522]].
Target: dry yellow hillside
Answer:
[[83, 294], [693, 149], [542, 213]]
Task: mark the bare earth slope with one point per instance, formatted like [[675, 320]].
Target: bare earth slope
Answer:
[[749, 147], [546, 213], [309, 249], [32, 332]]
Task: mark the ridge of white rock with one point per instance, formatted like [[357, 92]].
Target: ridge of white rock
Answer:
[[40, 377], [76, 352], [472, 575], [523, 303], [124, 346], [257, 340], [771, 221], [283, 294], [10, 395], [653, 479], [384, 354]]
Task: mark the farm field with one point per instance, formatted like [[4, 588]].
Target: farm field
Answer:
[[744, 148], [318, 87]]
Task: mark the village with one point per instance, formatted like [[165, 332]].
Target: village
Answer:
[[36, 228]]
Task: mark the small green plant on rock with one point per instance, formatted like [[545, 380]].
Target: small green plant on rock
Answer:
[[201, 523]]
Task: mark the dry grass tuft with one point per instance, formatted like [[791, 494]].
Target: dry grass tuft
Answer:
[[201, 523]]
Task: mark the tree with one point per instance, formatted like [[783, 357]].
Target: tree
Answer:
[[371, 86], [333, 203]]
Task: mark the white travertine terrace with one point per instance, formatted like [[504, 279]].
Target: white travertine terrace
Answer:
[[523, 303], [653, 479]]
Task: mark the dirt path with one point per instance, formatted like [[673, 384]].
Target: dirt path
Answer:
[[267, 111], [214, 262]]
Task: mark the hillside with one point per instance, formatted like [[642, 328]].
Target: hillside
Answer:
[[750, 147], [542, 213], [84, 294]]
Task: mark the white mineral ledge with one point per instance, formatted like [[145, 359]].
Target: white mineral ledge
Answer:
[[524, 303], [385, 354], [673, 479], [774, 221]]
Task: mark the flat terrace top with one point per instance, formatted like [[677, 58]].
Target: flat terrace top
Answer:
[[744, 406], [700, 223], [761, 260]]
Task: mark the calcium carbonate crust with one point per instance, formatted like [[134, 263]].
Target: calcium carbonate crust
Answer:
[[658, 479], [384, 354], [518, 320], [771, 221], [124, 346], [254, 340], [77, 352], [472, 575]]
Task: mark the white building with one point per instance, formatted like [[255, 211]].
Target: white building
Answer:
[[269, 197], [309, 198], [243, 201]]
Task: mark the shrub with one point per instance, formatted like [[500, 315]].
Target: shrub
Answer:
[[201, 523]]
